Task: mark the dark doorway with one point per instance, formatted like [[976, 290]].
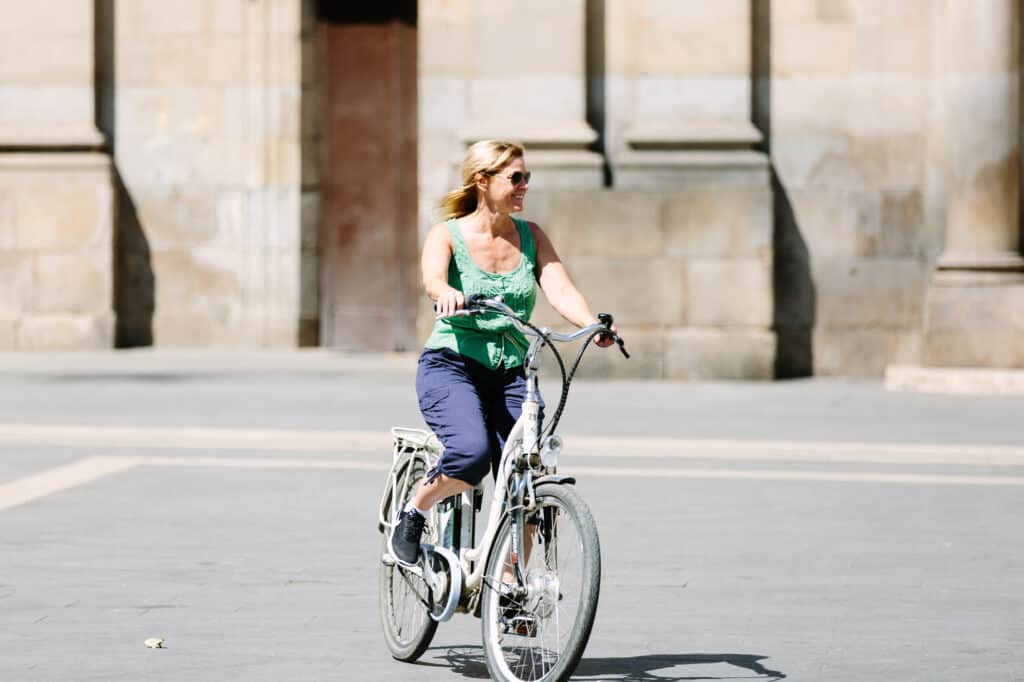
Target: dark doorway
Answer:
[[368, 201]]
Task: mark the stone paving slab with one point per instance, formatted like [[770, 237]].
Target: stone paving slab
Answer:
[[260, 563]]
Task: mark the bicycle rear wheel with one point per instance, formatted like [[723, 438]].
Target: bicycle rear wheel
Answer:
[[538, 631], [404, 596]]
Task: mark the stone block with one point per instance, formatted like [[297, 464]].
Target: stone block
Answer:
[[552, 98], [65, 331], [8, 226], [979, 323], [900, 47], [177, 220], [182, 330], [656, 170], [729, 292], [678, 36], [837, 222], [641, 291], [16, 275], [718, 222], [700, 97], [498, 28], [34, 59], [8, 334], [813, 48], [63, 216], [71, 283], [187, 283], [865, 106], [61, 17], [646, 346], [902, 224], [862, 351], [693, 353], [869, 292], [606, 223]]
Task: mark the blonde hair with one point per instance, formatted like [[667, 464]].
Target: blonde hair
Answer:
[[486, 157]]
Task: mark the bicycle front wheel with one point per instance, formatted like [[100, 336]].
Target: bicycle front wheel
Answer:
[[538, 630], [404, 596]]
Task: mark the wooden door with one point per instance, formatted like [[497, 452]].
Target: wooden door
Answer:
[[368, 234]]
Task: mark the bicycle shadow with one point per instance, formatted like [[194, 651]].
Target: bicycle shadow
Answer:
[[469, 661]]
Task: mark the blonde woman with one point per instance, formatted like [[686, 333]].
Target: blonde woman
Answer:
[[470, 379]]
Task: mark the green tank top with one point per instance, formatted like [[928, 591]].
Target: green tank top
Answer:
[[490, 339]]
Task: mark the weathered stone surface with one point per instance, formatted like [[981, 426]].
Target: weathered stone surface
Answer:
[[646, 347], [729, 292], [695, 353], [56, 213], [606, 223], [868, 293], [719, 222], [65, 331], [68, 214], [8, 334], [975, 324], [182, 330], [635, 290], [862, 351], [17, 290], [66, 282]]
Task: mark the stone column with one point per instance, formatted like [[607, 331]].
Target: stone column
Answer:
[[514, 70], [679, 93], [975, 304], [56, 204], [209, 146]]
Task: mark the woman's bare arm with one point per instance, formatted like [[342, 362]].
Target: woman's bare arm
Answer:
[[434, 262]]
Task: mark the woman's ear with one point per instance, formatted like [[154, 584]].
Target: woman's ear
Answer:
[[482, 181]]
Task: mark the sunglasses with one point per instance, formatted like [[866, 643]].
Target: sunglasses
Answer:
[[519, 177]]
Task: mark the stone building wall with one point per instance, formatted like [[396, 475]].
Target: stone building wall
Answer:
[[207, 140], [757, 189], [56, 204], [850, 107]]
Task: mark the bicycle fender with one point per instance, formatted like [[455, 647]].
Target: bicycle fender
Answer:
[[455, 579], [556, 479]]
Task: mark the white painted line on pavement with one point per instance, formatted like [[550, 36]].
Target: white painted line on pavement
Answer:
[[266, 463], [193, 437], [777, 475], [618, 472], [61, 478], [624, 448], [92, 468]]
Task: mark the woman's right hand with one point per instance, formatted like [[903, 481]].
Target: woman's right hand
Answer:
[[448, 302]]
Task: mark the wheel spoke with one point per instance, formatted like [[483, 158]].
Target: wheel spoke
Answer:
[[544, 627]]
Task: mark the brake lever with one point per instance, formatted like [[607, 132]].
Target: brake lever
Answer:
[[622, 345], [607, 320]]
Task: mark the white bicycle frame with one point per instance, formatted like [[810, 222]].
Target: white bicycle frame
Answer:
[[472, 560]]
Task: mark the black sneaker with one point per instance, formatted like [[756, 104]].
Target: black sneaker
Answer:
[[405, 538]]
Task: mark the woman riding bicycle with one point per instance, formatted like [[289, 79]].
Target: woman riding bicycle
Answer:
[[470, 378]]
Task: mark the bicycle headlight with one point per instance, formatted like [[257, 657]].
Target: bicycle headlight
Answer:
[[550, 450]]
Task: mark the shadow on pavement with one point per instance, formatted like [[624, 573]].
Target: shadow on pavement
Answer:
[[469, 661]]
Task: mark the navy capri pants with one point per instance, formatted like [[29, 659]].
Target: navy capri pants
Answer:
[[471, 408]]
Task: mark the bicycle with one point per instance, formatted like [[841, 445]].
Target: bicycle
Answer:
[[534, 578]]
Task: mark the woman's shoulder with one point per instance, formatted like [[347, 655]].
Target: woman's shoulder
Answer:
[[539, 236], [440, 230]]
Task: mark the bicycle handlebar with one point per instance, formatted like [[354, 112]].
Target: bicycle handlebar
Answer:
[[478, 304]]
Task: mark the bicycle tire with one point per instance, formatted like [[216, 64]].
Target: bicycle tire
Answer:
[[565, 531], [403, 596]]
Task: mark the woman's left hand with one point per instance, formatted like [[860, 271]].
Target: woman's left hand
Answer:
[[604, 340]]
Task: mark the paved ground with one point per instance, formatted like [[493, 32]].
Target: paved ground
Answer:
[[809, 530]]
